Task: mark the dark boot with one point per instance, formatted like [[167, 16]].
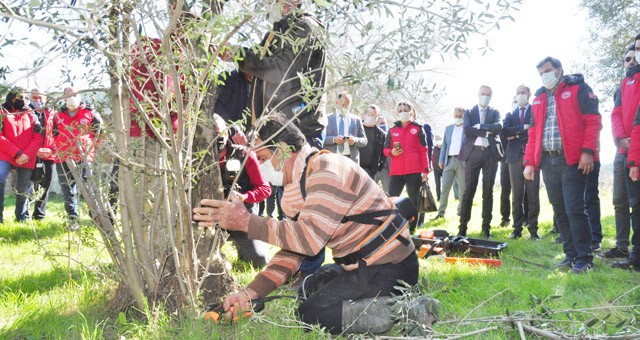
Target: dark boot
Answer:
[[371, 315], [633, 262], [462, 230]]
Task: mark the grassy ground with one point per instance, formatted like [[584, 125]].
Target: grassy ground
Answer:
[[56, 284]]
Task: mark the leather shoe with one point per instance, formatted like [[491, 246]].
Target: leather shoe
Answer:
[[486, 234], [437, 218], [515, 235], [630, 263], [504, 223], [535, 237], [462, 231]]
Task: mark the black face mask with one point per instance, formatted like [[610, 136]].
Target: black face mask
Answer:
[[18, 104], [221, 144]]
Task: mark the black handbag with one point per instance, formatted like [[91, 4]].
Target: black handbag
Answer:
[[37, 176], [426, 203]]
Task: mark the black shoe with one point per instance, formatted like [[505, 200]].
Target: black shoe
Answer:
[[505, 223], [515, 235], [630, 263], [486, 234], [582, 267], [462, 230], [567, 263], [595, 246], [535, 236], [614, 253], [558, 239]]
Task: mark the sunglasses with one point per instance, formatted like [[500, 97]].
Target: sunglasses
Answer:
[[628, 59]]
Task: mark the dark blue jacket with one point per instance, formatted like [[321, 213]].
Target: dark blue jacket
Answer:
[[233, 96], [490, 129], [515, 133]]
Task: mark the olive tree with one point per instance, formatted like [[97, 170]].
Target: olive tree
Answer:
[[157, 62]]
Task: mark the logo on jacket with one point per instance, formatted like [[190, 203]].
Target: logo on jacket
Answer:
[[566, 94], [631, 81], [413, 131], [84, 121], [395, 134], [536, 102], [592, 95]]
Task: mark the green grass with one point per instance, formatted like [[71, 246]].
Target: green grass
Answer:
[[58, 285]]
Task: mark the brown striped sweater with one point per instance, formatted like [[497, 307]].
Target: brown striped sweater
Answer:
[[336, 187]]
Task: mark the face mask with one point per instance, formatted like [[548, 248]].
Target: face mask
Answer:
[[638, 58], [484, 100], [549, 80], [275, 13], [73, 102], [458, 121], [222, 142], [37, 105], [404, 116], [270, 174], [522, 99], [369, 121]]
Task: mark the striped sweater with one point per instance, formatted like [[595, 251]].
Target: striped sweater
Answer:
[[336, 187]]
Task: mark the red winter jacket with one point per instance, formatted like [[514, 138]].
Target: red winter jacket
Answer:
[[415, 156], [633, 157], [76, 136], [47, 127], [578, 119], [626, 103], [20, 135]]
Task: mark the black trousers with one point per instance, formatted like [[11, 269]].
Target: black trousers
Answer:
[[478, 160], [437, 175], [413, 182], [505, 192], [327, 289]]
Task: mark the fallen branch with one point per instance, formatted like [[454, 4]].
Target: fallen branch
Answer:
[[529, 262], [464, 335]]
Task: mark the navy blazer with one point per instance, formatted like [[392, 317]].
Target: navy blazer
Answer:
[[515, 133], [490, 129]]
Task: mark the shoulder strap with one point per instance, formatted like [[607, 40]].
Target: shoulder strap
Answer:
[[303, 178]]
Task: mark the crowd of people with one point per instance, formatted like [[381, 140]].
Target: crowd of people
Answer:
[[334, 178]]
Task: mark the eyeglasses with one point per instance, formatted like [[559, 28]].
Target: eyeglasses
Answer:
[[628, 59]]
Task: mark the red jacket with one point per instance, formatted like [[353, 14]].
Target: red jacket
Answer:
[[76, 136], [626, 103], [578, 119], [149, 86], [633, 157], [47, 128], [415, 155], [20, 134]]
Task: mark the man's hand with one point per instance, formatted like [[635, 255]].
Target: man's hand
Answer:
[[526, 127], [44, 152], [227, 215], [529, 173], [623, 143], [22, 159], [477, 126], [396, 152], [634, 173], [441, 166], [338, 140], [239, 138], [351, 140], [586, 163], [425, 177], [236, 304]]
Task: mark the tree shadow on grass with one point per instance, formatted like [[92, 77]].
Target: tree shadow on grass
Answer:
[[20, 233], [42, 282]]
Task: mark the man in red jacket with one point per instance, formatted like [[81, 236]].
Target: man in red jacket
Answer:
[[563, 139], [75, 129], [20, 138]]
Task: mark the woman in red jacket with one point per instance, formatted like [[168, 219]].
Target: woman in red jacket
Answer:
[[406, 147], [45, 117], [20, 139]]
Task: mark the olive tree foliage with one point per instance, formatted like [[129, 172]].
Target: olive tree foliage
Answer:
[[376, 49], [613, 26]]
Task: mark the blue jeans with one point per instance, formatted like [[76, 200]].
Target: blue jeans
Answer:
[[592, 203], [23, 189], [566, 187], [70, 188]]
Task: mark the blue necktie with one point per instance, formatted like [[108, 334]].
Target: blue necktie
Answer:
[[340, 132]]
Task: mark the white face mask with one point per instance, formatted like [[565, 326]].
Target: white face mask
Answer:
[[73, 102], [458, 121], [549, 80], [404, 116], [522, 99], [270, 174], [37, 105], [638, 57], [275, 13], [484, 100], [369, 121]]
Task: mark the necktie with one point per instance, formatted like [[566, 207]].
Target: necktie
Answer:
[[483, 114], [340, 131], [522, 116]]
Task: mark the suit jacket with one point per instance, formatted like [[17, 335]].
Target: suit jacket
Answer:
[[490, 129], [446, 144], [356, 130], [515, 133]]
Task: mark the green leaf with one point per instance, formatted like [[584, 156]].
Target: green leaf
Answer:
[[534, 299], [592, 322]]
